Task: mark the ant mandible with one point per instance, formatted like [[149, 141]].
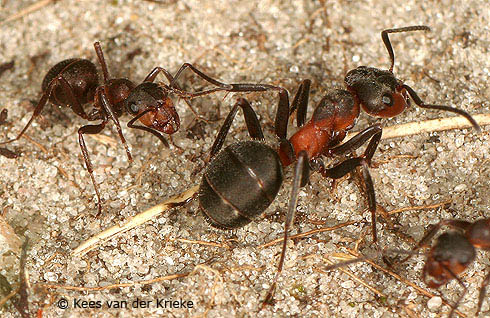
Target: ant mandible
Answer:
[[258, 168], [453, 252], [74, 82]]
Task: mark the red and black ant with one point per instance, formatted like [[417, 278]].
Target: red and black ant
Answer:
[[453, 252], [74, 82], [258, 168]]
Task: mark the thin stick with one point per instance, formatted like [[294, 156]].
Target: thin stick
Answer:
[[414, 128], [6, 298], [201, 243], [354, 277], [43, 149], [114, 286], [135, 221], [301, 235], [422, 207], [34, 7], [403, 280], [103, 139]]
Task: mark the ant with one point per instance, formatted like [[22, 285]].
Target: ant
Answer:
[[74, 82], [453, 252], [258, 168]]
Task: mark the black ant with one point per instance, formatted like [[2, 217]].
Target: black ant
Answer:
[[74, 82], [241, 181]]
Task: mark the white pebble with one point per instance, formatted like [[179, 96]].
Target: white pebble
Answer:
[[434, 303], [460, 187]]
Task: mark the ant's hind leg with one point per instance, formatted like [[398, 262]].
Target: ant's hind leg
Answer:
[[75, 104]]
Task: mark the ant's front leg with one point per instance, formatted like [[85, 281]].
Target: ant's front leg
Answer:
[[483, 289], [108, 109], [341, 169], [91, 129], [234, 88], [147, 129]]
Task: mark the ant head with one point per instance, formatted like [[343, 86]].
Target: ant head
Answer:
[[378, 91], [154, 109], [450, 256]]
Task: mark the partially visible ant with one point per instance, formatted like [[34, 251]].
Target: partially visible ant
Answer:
[[453, 252], [241, 181], [74, 82]]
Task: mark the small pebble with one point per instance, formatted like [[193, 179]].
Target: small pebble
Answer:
[[434, 303]]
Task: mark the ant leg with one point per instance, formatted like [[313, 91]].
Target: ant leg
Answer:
[[300, 102], [386, 39], [371, 198], [175, 89], [90, 129], [108, 110], [293, 200], [77, 108], [348, 165], [245, 87], [154, 72], [461, 112], [355, 142], [74, 103], [4, 151], [147, 129], [205, 77], [461, 283], [481, 297], [280, 125], [8, 153], [253, 125]]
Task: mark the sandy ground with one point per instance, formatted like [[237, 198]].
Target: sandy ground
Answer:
[[47, 196]]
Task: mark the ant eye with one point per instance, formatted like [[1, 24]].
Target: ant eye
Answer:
[[387, 100], [134, 108]]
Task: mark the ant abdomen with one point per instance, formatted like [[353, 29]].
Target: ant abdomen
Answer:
[[239, 184], [81, 76]]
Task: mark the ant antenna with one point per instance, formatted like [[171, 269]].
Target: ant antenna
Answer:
[[420, 103], [102, 62], [386, 40]]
